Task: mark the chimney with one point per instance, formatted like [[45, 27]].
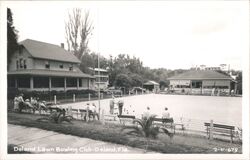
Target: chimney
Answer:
[[62, 45]]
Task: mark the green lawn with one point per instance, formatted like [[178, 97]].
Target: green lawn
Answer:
[[113, 133]]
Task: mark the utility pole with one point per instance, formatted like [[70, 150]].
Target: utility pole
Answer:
[[98, 64], [99, 104]]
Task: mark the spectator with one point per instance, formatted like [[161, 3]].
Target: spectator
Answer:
[[27, 102], [16, 103], [213, 92], [165, 113], [112, 105], [87, 113], [20, 102], [33, 101], [120, 105], [146, 114], [93, 111], [218, 92]]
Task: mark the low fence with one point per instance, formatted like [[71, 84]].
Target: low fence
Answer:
[[198, 127], [199, 91]]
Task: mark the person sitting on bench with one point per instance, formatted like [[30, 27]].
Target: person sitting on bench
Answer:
[[93, 111], [165, 115]]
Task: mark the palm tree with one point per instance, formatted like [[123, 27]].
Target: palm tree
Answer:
[[146, 129], [57, 117]]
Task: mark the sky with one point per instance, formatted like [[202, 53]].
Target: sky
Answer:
[[163, 34]]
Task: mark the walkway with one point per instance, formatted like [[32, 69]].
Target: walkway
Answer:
[[41, 141]]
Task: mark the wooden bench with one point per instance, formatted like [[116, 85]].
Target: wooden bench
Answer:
[[75, 112], [164, 122], [124, 118], [220, 129], [110, 117], [55, 108], [83, 113]]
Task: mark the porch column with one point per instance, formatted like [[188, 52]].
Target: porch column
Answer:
[[31, 83], [77, 83], [88, 80], [49, 83], [65, 83]]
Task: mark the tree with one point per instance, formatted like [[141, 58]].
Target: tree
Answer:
[[163, 84], [145, 128], [78, 30], [123, 80], [136, 80], [87, 61], [239, 82], [12, 36]]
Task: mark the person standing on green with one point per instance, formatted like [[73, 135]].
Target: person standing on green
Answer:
[[120, 105], [112, 105]]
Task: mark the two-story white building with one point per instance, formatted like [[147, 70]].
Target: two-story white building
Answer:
[[45, 67], [104, 78]]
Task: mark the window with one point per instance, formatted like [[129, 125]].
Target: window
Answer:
[[71, 82], [80, 82], [196, 84], [61, 66], [41, 82], [21, 62], [47, 65], [17, 64], [20, 50], [71, 67], [11, 82], [24, 64], [57, 82], [23, 82]]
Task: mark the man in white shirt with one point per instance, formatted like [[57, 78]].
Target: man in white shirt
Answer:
[[20, 102], [146, 114], [16, 103], [92, 110], [165, 113]]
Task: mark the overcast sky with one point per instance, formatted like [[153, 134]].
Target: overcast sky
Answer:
[[164, 34]]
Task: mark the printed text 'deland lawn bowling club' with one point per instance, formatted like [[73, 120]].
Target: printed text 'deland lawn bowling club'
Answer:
[[70, 149]]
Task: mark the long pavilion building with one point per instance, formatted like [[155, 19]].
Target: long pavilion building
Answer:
[[202, 82]]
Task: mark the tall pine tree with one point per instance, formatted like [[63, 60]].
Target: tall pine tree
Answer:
[[12, 36]]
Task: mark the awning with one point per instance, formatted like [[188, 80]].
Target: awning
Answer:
[[180, 82], [222, 83], [216, 83], [208, 83]]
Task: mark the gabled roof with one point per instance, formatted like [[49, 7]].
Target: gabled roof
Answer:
[[199, 75], [151, 83], [52, 73], [48, 51]]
